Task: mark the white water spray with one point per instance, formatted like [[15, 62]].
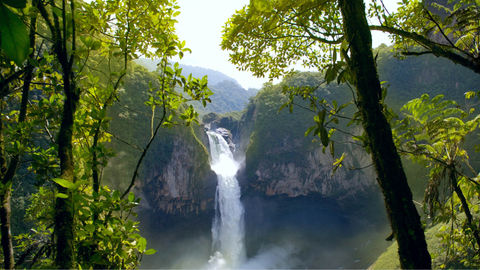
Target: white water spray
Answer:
[[228, 224]]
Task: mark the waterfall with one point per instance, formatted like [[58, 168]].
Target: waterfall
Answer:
[[228, 224]]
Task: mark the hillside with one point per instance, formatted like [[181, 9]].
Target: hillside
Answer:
[[228, 95]]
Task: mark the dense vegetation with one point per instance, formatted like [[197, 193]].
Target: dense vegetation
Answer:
[[69, 60], [275, 128]]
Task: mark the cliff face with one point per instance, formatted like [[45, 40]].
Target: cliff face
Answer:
[[281, 160], [184, 185], [313, 175], [175, 176]]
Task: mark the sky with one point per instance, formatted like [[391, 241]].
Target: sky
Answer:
[[200, 24]]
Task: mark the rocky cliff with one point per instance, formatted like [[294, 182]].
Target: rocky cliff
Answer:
[[313, 176], [175, 176], [182, 182], [281, 160]]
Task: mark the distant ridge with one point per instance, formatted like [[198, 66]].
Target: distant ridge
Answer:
[[228, 96], [214, 77]]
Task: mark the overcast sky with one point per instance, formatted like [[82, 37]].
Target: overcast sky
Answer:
[[200, 25]]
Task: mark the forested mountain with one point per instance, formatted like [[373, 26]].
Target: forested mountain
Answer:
[[214, 76], [407, 78]]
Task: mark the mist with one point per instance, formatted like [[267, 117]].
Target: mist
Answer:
[[280, 233]]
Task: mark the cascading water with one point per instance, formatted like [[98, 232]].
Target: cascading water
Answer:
[[228, 224]]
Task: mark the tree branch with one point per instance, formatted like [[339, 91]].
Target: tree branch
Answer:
[[145, 150], [437, 49], [417, 53], [4, 90]]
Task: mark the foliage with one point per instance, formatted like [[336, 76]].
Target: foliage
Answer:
[[14, 40], [128, 142], [389, 258], [228, 96], [112, 241], [114, 234], [407, 77], [433, 132], [272, 124], [437, 245], [267, 37], [327, 113], [71, 79], [280, 135]]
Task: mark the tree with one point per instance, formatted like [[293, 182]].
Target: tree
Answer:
[[9, 161], [267, 37], [433, 131], [62, 27], [81, 46], [404, 218]]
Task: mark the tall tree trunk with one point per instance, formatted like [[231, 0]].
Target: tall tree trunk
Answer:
[[403, 216], [5, 213], [6, 190], [64, 214], [64, 235]]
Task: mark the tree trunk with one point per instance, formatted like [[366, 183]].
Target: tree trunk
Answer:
[[466, 208], [64, 214], [64, 235], [5, 213], [403, 216]]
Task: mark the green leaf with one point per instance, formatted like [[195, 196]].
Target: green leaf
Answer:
[[89, 228], [15, 3], [150, 251], [131, 197], [61, 195], [469, 94], [262, 5], [13, 36], [142, 243], [309, 130], [331, 73], [64, 183], [338, 162]]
